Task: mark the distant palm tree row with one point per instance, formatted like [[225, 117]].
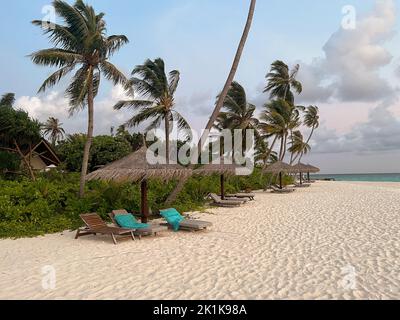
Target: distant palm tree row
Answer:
[[82, 47]]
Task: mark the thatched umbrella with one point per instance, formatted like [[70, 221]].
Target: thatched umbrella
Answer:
[[301, 168], [279, 168], [311, 169], [220, 168], [134, 168]]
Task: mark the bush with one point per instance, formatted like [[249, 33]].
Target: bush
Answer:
[[51, 204]]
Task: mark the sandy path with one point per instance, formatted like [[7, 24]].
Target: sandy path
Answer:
[[335, 240]]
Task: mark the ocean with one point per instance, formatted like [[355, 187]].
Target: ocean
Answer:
[[371, 177]]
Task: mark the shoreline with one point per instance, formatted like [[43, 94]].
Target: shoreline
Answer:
[[303, 245]]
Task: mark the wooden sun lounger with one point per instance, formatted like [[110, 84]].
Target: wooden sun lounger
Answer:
[[191, 225], [225, 203], [282, 191], [304, 185], [153, 229], [250, 196], [95, 225]]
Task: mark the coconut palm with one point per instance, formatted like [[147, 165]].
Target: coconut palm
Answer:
[[80, 43], [220, 102], [157, 98], [54, 130], [298, 146], [264, 154], [311, 119], [281, 81]]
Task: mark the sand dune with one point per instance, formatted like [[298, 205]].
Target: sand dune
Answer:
[[333, 241]]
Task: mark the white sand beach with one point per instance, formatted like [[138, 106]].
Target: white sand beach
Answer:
[[335, 240]]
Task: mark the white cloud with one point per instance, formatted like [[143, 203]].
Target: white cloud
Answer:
[[350, 70], [54, 104]]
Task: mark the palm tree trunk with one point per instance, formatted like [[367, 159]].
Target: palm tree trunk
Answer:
[[270, 151], [222, 96], [89, 140], [284, 147], [231, 75], [167, 142]]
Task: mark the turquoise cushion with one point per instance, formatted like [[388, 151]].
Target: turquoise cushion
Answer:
[[128, 221], [173, 217]]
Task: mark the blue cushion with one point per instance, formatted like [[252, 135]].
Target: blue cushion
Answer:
[[173, 217], [128, 221]]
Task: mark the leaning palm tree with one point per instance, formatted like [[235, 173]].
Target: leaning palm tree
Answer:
[[281, 81], [54, 130], [80, 43], [220, 102], [157, 100], [264, 154]]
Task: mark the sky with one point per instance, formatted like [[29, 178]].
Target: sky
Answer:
[[352, 75]]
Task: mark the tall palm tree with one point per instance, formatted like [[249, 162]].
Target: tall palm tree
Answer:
[[281, 81], [277, 121], [157, 98], [53, 128], [311, 120], [220, 102], [80, 43]]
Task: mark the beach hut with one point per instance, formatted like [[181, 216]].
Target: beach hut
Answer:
[[280, 168], [301, 168], [311, 169], [221, 168], [136, 168]]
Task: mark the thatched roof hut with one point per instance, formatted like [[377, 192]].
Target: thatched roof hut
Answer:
[[301, 168], [221, 168], [312, 169], [280, 168], [136, 168]]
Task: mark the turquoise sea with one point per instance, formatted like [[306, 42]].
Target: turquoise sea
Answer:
[[371, 177]]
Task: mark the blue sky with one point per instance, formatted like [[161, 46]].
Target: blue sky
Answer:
[[199, 37]]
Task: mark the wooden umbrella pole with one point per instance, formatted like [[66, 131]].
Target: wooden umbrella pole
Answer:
[[301, 178], [144, 202], [222, 187], [280, 180]]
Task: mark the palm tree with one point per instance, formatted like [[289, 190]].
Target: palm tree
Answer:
[[81, 42], [238, 112], [277, 120], [298, 146], [265, 154], [53, 128], [311, 119], [7, 99], [281, 81], [222, 96], [157, 102]]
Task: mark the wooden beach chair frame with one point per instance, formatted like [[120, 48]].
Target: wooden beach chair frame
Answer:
[[96, 225]]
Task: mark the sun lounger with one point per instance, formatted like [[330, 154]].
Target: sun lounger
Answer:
[[225, 203], [249, 196], [152, 230], [304, 185], [95, 225], [284, 190], [184, 224]]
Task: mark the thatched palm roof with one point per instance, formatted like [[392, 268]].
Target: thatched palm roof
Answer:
[[301, 167], [312, 169], [220, 168], [279, 167], [135, 167]]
